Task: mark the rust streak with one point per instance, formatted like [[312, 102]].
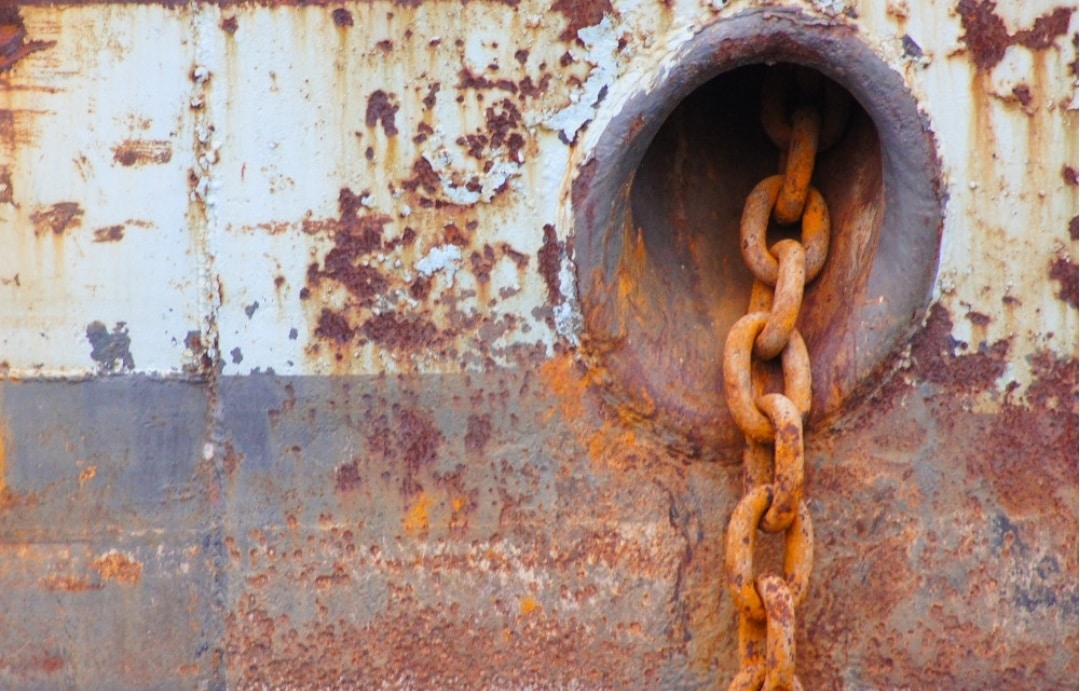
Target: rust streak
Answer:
[[13, 43]]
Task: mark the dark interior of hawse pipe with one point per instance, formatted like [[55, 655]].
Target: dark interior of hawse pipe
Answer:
[[685, 204]]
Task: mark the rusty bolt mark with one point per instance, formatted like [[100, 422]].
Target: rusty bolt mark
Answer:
[[56, 218], [987, 38], [229, 25], [381, 110], [136, 153], [342, 17], [13, 43], [112, 351], [114, 566], [1069, 175]]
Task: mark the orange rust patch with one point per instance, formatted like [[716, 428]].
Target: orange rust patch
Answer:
[[606, 439], [115, 566], [528, 605], [416, 521]]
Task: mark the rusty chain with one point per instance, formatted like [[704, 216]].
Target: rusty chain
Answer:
[[773, 422]]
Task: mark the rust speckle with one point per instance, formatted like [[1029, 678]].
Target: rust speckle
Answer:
[[580, 14], [347, 477], [13, 43], [1042, 427], [1065, 271], [135, 152], [109, 234], [115, 566], [408, 437], [381, 110], [978, 318], [477, 433], [1069, 175], [549, 258], [57, 218], [342, 17], [987, 38]]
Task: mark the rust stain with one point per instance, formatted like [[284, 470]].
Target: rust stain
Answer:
[[67, 583], [987, 37], [56, 218], [403, 333], [7, 189], [13, 43], [109, 234], [137, 152], [1065, 271], [342, 17], [347, 477], [581, 14], [955, 364], [88, 474], [549, 258], [114, 566], [1069, 175], [381, 110]]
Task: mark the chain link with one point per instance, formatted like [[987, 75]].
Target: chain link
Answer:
[[773, 422]]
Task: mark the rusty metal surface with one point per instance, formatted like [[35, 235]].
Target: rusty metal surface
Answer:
[[298, 390]]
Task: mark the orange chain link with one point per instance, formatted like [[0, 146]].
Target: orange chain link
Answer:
[[773, 422]]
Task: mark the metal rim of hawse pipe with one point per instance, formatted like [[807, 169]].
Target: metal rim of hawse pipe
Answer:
[[655, 345]]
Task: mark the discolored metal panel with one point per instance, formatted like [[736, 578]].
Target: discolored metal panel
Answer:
[[431, 489]]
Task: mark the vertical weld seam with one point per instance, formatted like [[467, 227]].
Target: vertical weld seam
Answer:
[[204, 223]]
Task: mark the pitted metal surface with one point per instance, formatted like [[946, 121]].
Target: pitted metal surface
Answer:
[[297, 383]]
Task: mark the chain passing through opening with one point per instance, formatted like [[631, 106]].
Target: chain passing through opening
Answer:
[[802, 116]]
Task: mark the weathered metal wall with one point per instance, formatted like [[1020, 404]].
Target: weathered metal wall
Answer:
[[298, 393]]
